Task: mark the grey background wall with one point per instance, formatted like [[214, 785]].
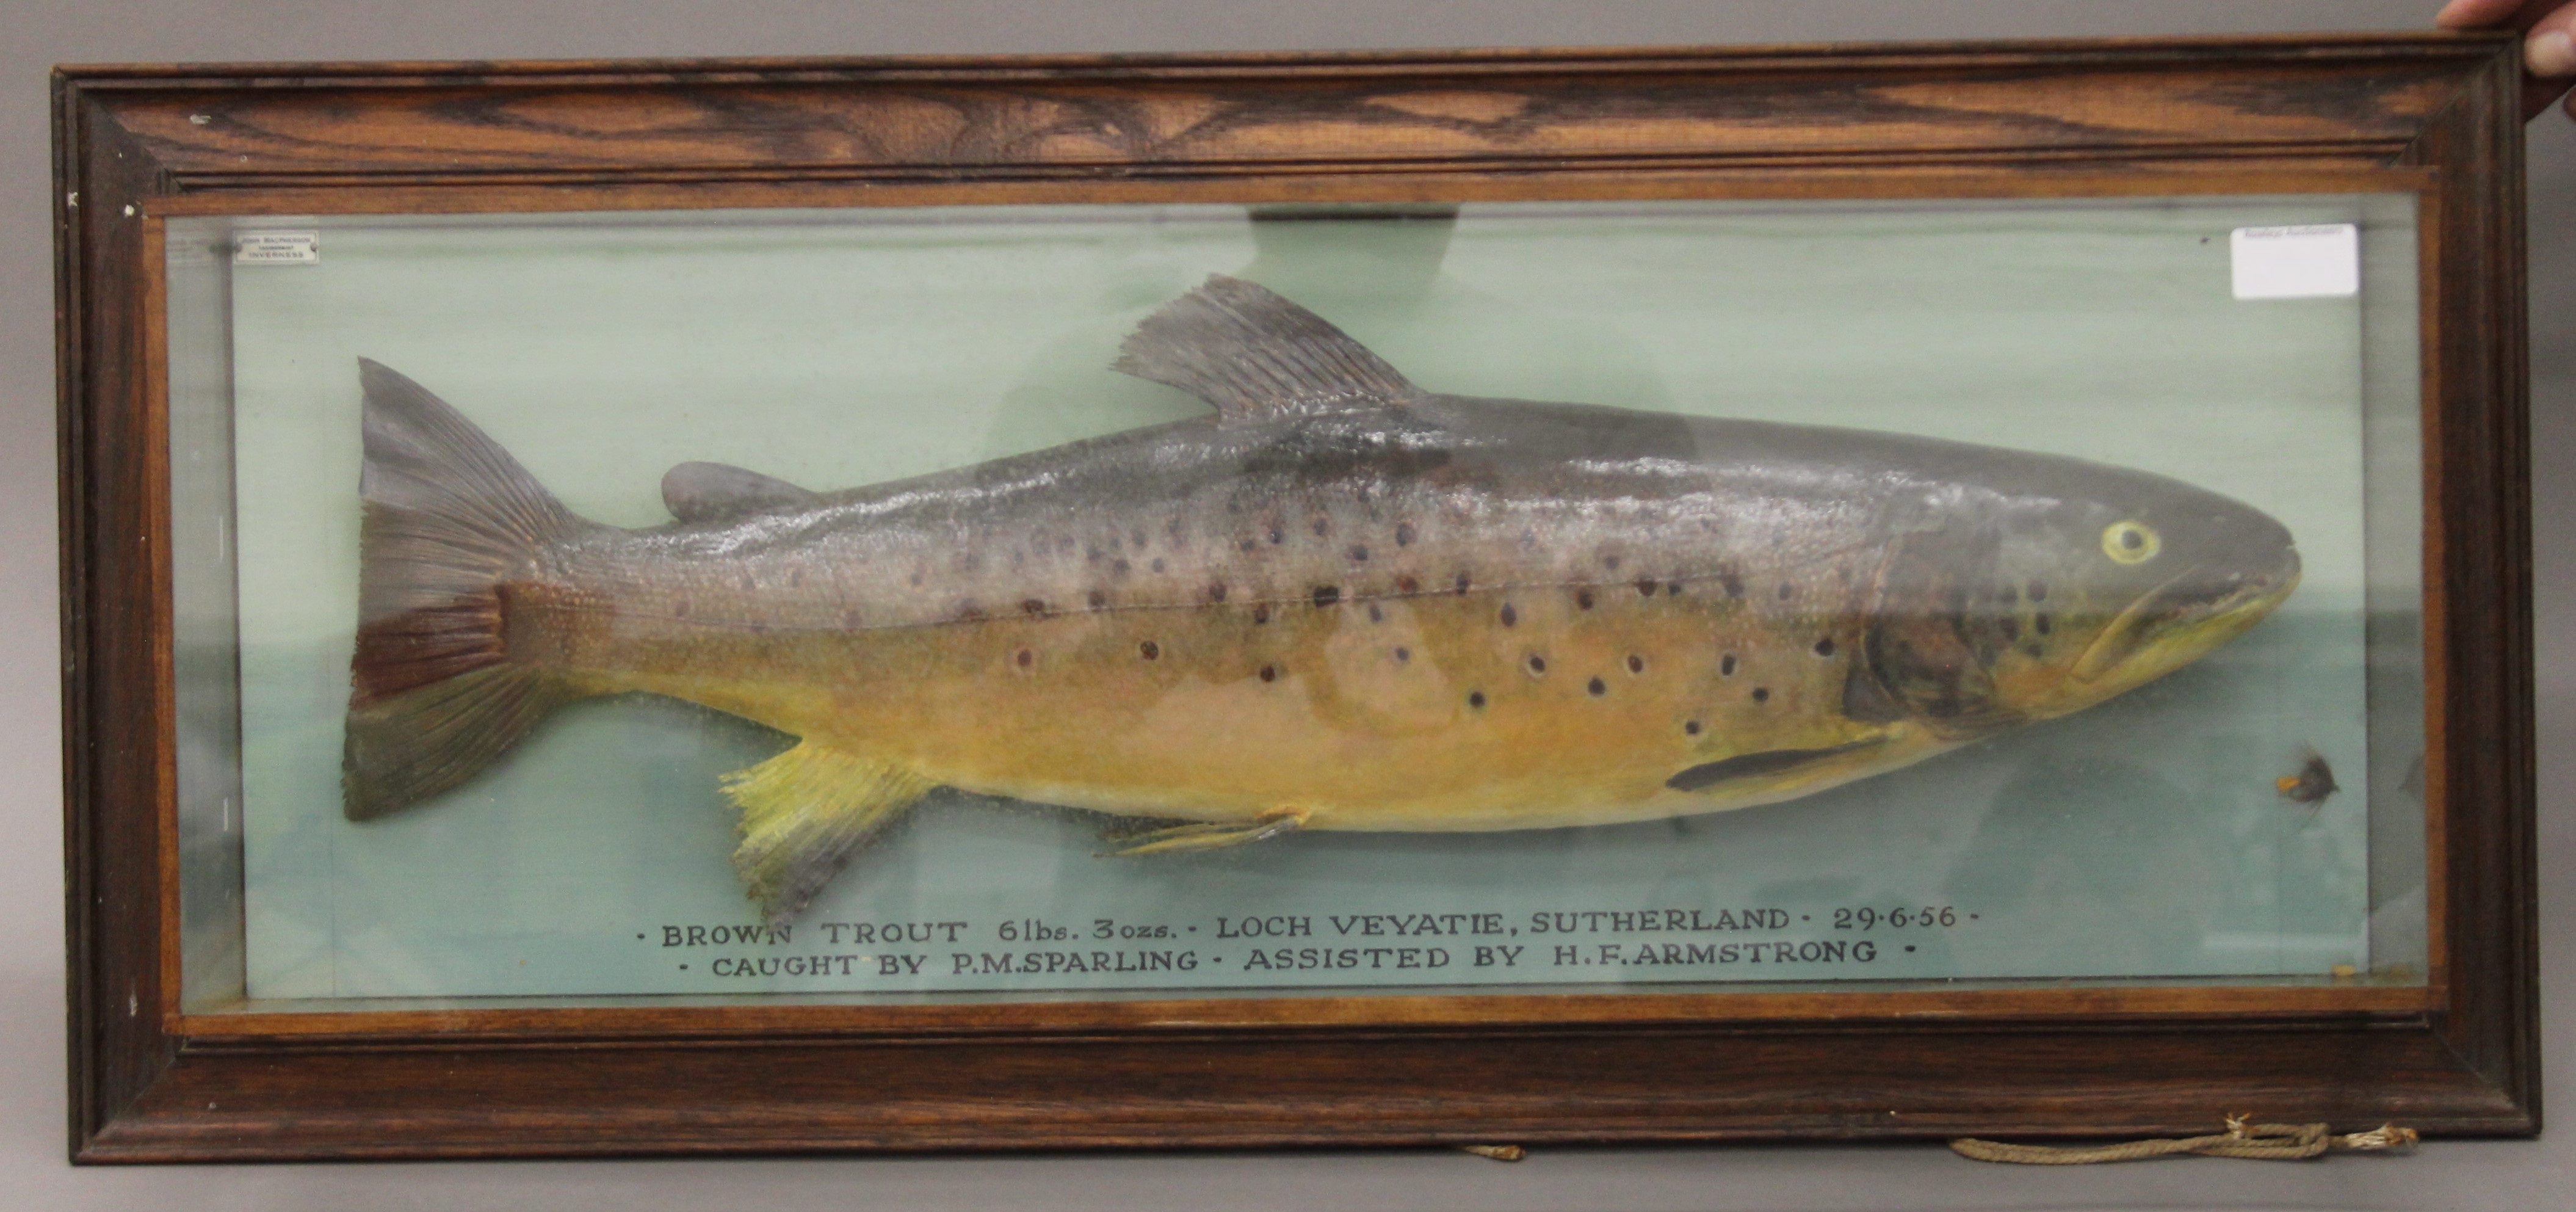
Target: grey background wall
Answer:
[[37, 33]]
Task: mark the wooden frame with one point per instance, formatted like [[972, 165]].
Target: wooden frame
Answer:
[[2437, 115]]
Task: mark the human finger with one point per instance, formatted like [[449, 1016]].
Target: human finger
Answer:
[[2549, 49], [2480, 14]]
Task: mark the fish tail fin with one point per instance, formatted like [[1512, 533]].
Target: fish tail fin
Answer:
[[453, 531], [804, 813]]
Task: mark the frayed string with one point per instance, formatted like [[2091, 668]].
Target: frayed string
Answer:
[[2260, 1142]]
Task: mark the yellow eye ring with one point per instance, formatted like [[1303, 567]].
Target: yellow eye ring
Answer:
[[2131, 542]]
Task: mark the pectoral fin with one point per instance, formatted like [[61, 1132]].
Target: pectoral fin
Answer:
[[804, 813], [1209, 835], [1766, 766]]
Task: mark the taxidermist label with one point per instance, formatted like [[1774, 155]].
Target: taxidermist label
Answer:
[[2306, 261], [278, 248]]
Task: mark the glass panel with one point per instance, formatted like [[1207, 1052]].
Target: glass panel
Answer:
[[1740, 673]]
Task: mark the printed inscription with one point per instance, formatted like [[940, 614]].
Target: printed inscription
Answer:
[[1575, 943]]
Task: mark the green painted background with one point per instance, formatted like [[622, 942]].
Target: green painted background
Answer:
[[2142, 838]]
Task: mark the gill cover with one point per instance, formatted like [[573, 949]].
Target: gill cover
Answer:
[[1927, 655]]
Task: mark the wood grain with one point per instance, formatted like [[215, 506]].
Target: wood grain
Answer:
[[2436, 114]]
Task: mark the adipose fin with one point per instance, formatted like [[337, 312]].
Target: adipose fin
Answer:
[[717, 492]]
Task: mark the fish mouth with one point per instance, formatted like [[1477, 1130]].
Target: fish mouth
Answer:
[[2180, 621]]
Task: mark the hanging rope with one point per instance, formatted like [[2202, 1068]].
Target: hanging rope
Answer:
[[2260, 1142]]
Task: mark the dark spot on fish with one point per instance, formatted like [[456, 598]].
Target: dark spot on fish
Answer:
[[2008, 593], [1097, 599], [1404, 534], [1091, 553], [2011, 628], [1359, 554], [1597, 687], [1149, 650], [1402, 655], [1406, 584], [1320, 528], [1248, 544], [969, 612], [1761, 694], [1583, 599], [1277, 536], [1690, 727], [1645, 587], [795, 577], [916, 576], [1157, 564], [1734, 584], [1825, 647], [1118, 568], [1376, 615], [1726, 666], [1476, 699], [2034, 651], [1270, 673], [1462, 582], [1672, 589], [2040, 622], [1326, 595], [1025, 658], [1610, 562], [1261, 613], [2039, 591], [680, 609], [1216, 593], [1529, 538], [1636, 664], [1509, 616], [1032, 606], [1537, 663], [1787, 591], [1136, 539]]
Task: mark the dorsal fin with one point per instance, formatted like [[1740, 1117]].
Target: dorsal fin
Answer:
[[1257, 356], [714, 492]]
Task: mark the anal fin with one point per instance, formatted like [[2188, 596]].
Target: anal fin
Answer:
[[1208, 835], [804, 812]]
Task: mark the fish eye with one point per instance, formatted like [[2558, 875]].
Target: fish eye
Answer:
[[2131, 542]]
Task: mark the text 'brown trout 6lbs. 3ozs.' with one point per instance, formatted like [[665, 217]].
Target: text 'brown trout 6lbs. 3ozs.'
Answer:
[[1341, 602]]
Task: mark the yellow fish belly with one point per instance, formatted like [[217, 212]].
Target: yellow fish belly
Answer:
[[1505, 709]]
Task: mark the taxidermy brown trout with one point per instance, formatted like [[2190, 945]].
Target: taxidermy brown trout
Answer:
[[1341, 602]]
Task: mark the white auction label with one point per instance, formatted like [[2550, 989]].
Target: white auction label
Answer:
[[2308, 261], [278, 248]]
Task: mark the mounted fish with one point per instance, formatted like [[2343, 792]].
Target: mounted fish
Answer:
[[1341, 602]]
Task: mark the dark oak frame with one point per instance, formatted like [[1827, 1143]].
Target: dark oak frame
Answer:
[[2435, 114]]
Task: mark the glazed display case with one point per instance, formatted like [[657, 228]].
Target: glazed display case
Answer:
[[1494, 597]]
